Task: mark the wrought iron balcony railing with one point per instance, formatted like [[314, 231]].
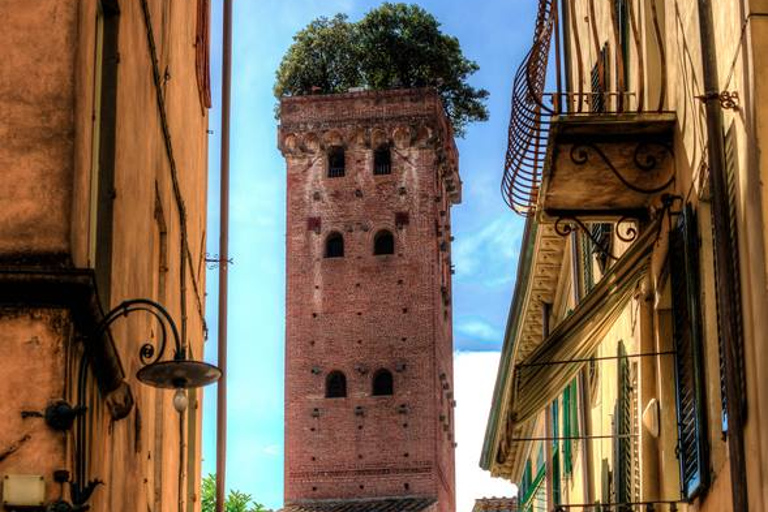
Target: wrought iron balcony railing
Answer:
[[578, 57]]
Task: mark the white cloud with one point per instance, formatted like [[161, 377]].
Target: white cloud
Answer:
[[478, 329], [474, 378], [489, 252]]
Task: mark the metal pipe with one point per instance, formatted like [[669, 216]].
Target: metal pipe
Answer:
[[221, 405], [569, 438], [582, 360], [726, 296], [558, 66]]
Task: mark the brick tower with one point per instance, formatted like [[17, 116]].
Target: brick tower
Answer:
[[369, 378]]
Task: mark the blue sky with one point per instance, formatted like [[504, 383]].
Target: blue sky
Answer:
[[494, 33]]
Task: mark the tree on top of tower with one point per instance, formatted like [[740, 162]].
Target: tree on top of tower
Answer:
[[393, 46]]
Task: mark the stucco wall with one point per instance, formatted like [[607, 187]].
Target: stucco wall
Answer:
[[37, 125], [47, 100]]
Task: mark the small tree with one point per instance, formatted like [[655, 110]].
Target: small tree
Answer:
[[236, 501], [393, 46]]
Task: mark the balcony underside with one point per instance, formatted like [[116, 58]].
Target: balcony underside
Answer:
[[607, 164]]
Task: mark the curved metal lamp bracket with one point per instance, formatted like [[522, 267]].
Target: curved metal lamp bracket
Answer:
[[148, 353]]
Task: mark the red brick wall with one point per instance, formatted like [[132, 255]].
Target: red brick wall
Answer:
[[363, 312]]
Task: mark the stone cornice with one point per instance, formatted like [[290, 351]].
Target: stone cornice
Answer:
[[364, 120]]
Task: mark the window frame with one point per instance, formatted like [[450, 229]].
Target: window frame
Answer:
[[376, 240], [690, 399], [378, 374], [329, 390], [382, 169], [333, 236], [334, 170]]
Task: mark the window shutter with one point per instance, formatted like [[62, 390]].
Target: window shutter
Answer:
[[623, 429], [692, 440], [603, 233], [571, 422], [567, 429], [525, 484], [587, 276], [555, 453], [203, 51], [599, 81], [732, 267]]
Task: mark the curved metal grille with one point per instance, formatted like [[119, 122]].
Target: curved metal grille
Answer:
[[530, 120], [592, 92]]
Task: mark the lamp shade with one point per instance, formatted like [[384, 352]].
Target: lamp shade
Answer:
[[179, 373]]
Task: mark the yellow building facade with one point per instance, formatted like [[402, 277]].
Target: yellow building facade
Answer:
[[629, 377]]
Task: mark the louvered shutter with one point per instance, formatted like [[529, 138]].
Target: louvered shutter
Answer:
[[567, 429], [598, 81], [692, 440], [587, 274], [623, 429], [731, 267], [555, 453]]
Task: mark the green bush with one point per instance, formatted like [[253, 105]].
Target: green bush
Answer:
[[393, 46], [236, 501]]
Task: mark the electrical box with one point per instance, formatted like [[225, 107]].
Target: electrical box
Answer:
[[23, 491]]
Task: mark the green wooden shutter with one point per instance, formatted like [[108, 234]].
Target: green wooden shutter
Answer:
[[623, 429], [691, 406], [567, 429], [526, 482], [570, 425], [555, 452]]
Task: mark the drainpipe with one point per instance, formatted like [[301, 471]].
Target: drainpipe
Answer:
[[221, 404], [726, 295]]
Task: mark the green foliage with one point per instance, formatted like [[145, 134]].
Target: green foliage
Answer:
[[393, 46], [236, 501]]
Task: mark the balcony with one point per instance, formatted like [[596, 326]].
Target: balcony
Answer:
[[599, 143]]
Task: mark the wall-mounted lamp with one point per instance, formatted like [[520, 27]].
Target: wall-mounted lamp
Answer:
[[178, 373]]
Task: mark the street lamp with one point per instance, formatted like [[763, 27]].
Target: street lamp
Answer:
[[178, 373]]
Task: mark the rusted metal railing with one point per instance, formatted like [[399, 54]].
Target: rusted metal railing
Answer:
[[529, 124], [617, 44]]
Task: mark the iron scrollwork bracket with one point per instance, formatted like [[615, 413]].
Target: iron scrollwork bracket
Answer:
[[729, 100], [625, 231], [643, 159]]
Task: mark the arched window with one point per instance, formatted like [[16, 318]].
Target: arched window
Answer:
[[382, 383], [383, 243], [336, 162], [334, 245], [382, 161], [335, 385]]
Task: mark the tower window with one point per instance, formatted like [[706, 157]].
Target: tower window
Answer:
[[336, 162], [336, 385], [382, 383], [382, 161], [334, 245], [383, 243]]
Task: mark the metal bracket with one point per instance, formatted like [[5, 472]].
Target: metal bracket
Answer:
[[564, 227], [214, 261], [729, 100]]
